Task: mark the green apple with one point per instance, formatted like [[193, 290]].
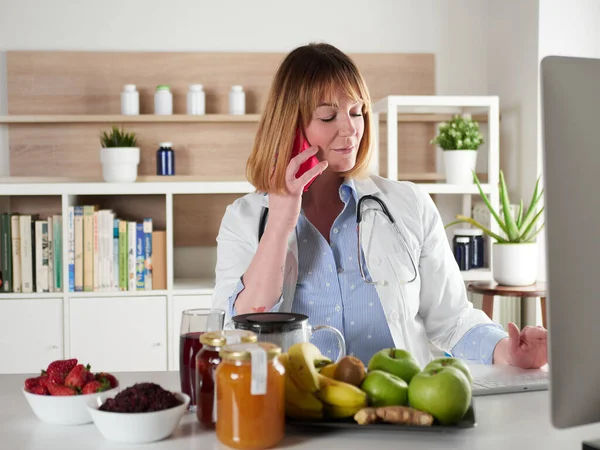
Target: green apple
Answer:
[[385, 389], [396, 361], [451, 362], [445, 393]]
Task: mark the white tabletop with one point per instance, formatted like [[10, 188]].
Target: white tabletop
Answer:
[[514, 421]]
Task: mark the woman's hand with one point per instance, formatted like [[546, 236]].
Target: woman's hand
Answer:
[[284, 209], [527, 348]]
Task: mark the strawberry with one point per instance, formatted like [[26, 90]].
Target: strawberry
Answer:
[[30, 383], [95, 386], [60, 390], [77, 377], [40, 390], [108, 377], [58, 370]]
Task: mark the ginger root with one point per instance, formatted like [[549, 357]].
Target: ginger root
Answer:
[[404, 415], [366, 416]]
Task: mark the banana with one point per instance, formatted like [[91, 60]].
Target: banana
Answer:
[[301, 365], [294, 412], [340, 412], [338, 393], [296, 398], [329, 370]]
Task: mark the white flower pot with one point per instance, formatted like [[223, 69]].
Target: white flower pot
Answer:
[[459, 166], [120, 164], [515, 264]]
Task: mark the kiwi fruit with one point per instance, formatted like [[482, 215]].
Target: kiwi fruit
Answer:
[[350, 370]]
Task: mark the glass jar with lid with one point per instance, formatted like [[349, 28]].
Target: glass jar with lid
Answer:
[[207, 360], [250, 396]]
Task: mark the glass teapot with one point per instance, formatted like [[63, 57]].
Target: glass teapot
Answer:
[[285, 329]]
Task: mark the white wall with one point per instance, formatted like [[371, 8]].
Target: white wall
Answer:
[[512, 75]]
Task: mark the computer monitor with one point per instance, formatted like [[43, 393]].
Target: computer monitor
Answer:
[[570, 94]]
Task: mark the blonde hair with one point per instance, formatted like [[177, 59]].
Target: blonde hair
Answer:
[[307, 76]]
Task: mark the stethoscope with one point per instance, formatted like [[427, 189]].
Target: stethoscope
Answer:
[[384, 210]]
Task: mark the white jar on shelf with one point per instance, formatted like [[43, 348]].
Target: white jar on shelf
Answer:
[[130, 101], [196, 100], [237, 101], [163, 100]]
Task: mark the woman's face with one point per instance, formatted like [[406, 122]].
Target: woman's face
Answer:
[[338, 132]]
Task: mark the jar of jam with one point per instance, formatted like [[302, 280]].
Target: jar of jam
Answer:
[[207, 360], [250, 396]]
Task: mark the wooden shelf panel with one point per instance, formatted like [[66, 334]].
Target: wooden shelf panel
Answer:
[[47, 188], [114, 118], [183, 118]]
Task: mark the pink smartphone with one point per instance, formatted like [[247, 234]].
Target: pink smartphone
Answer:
[[301, 144]]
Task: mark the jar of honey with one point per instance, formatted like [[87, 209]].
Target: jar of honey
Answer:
[[207, 360], [250, 396]]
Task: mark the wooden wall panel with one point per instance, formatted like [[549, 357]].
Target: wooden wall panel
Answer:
[[197, 218], [90, 83]]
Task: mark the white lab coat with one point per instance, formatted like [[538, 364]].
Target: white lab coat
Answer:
[[432, 308]]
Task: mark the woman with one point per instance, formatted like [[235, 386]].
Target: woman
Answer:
[[409, 290]]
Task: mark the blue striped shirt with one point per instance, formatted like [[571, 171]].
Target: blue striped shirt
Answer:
[[331, 291]]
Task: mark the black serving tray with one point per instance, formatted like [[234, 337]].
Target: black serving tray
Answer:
[[468, 421]]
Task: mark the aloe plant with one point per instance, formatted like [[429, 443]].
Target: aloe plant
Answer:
[[519, 230], [118, 138]]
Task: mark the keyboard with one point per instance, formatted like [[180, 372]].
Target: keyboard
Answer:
[[505, 382]]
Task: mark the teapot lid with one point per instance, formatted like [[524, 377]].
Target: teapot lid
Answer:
[[270, 322]]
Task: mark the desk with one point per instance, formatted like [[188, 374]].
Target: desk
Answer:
[[491, 289], [505, 422]]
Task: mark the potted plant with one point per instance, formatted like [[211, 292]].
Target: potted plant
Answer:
[[120, 156], [459, 139], [514, 255]]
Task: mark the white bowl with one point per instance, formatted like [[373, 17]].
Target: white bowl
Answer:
[[137, 428], [67, 410]]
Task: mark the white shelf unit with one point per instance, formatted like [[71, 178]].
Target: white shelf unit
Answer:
[[392, 107], [128, 311]]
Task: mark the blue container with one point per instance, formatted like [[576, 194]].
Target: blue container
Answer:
[[165, 159], [462, 252]]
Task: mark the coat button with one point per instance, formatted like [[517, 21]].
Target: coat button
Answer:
[[394, 316]]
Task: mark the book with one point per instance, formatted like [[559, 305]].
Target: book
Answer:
[[15, 230], [123, 245], [139, 256], [26, 253], [57, 252], [159, 260], [88, 248], [131, 256], [41, 256], [78, 249], [148, 254], [116, 265], [5, 253], [50, 254]]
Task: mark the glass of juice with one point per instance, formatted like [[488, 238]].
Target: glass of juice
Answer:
[[194, 322]]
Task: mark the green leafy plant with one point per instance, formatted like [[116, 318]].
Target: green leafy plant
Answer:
[[118, 138], [460, 133], [519, 230]]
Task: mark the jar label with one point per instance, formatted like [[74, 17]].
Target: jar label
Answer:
[[258, 385], [214, 414]]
